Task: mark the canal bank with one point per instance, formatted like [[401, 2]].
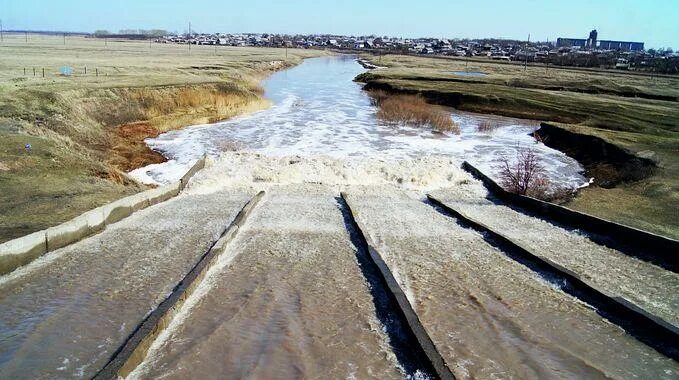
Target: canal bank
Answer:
[[319, 110], [630, 113]]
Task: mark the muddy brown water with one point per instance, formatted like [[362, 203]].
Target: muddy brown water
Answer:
[[65, 314], [489, 316], [291, 302]]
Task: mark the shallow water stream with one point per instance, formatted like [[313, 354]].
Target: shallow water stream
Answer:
[[319, 110]]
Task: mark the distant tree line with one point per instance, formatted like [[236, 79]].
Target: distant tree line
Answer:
[[148, 33]]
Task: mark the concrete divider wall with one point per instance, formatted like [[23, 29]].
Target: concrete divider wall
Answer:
[[21, 251], [134, 350], [651, 329], [426, 347], [659, 249], [199, 165]]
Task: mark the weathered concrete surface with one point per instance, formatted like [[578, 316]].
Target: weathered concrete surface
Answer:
[[488, 315], [289, 301], [195, 168], [64, 314], [162, 193], [649, 287], [133, 352], [659, 249], [75, 229], [21, 251]]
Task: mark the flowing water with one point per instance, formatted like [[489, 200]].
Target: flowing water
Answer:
[[64, 315], [291, 295], [489, 316], [319, 110], [287, 300]]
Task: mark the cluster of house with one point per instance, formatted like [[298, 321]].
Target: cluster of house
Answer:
[[496, 49], [564, 52]]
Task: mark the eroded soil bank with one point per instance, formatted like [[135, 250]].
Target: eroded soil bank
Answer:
[[83, 141], [609, 165]]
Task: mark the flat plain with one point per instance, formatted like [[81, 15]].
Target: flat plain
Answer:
[[86, 128]]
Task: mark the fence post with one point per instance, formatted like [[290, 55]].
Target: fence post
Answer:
[[43, 72], [85, 70], [24, 71], [34, 71], [96, 71]]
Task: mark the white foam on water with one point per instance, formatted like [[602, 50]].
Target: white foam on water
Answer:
[[319, 111], [250, 170]]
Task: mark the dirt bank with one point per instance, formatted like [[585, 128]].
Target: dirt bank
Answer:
[[608, 164], [84, 141], [147, 112], [627, 146], [474, 102]]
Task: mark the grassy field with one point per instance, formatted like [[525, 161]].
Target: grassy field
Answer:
[[638, 113], [87, 129]]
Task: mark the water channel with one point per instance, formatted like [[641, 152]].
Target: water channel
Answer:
[[318, 110]]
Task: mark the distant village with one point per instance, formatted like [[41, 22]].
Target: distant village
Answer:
[[581, 52]]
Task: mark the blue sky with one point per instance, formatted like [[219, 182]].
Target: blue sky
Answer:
[[655, 22]]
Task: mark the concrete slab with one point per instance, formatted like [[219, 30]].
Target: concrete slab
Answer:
[[489, 315], [75, 229], [65, 316]]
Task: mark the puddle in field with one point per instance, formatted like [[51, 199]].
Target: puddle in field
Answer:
[[469, 73]]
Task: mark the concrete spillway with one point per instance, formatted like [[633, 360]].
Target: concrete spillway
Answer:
[[292, 302], [294, 295], [647, 286], [66, 313], [488, 315]]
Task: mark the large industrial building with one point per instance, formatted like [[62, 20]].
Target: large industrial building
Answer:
[[593, 43]]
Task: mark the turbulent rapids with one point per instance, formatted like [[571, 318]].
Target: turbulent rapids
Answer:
[[319, 111], [253, 170]]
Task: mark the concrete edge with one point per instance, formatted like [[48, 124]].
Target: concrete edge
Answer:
[[427, 346], [133, 352], [663, 330], [21, 251], [658, 249], [198, 166]]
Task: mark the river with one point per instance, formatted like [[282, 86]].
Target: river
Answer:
[[318, 110]]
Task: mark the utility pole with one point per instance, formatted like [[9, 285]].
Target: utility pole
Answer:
[[64, 38], [26, 36], [525, 65], [189, 37], [1, 37]]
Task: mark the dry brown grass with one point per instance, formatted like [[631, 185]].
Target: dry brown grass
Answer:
[[230, 146], [488, 126], [412, 110]]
